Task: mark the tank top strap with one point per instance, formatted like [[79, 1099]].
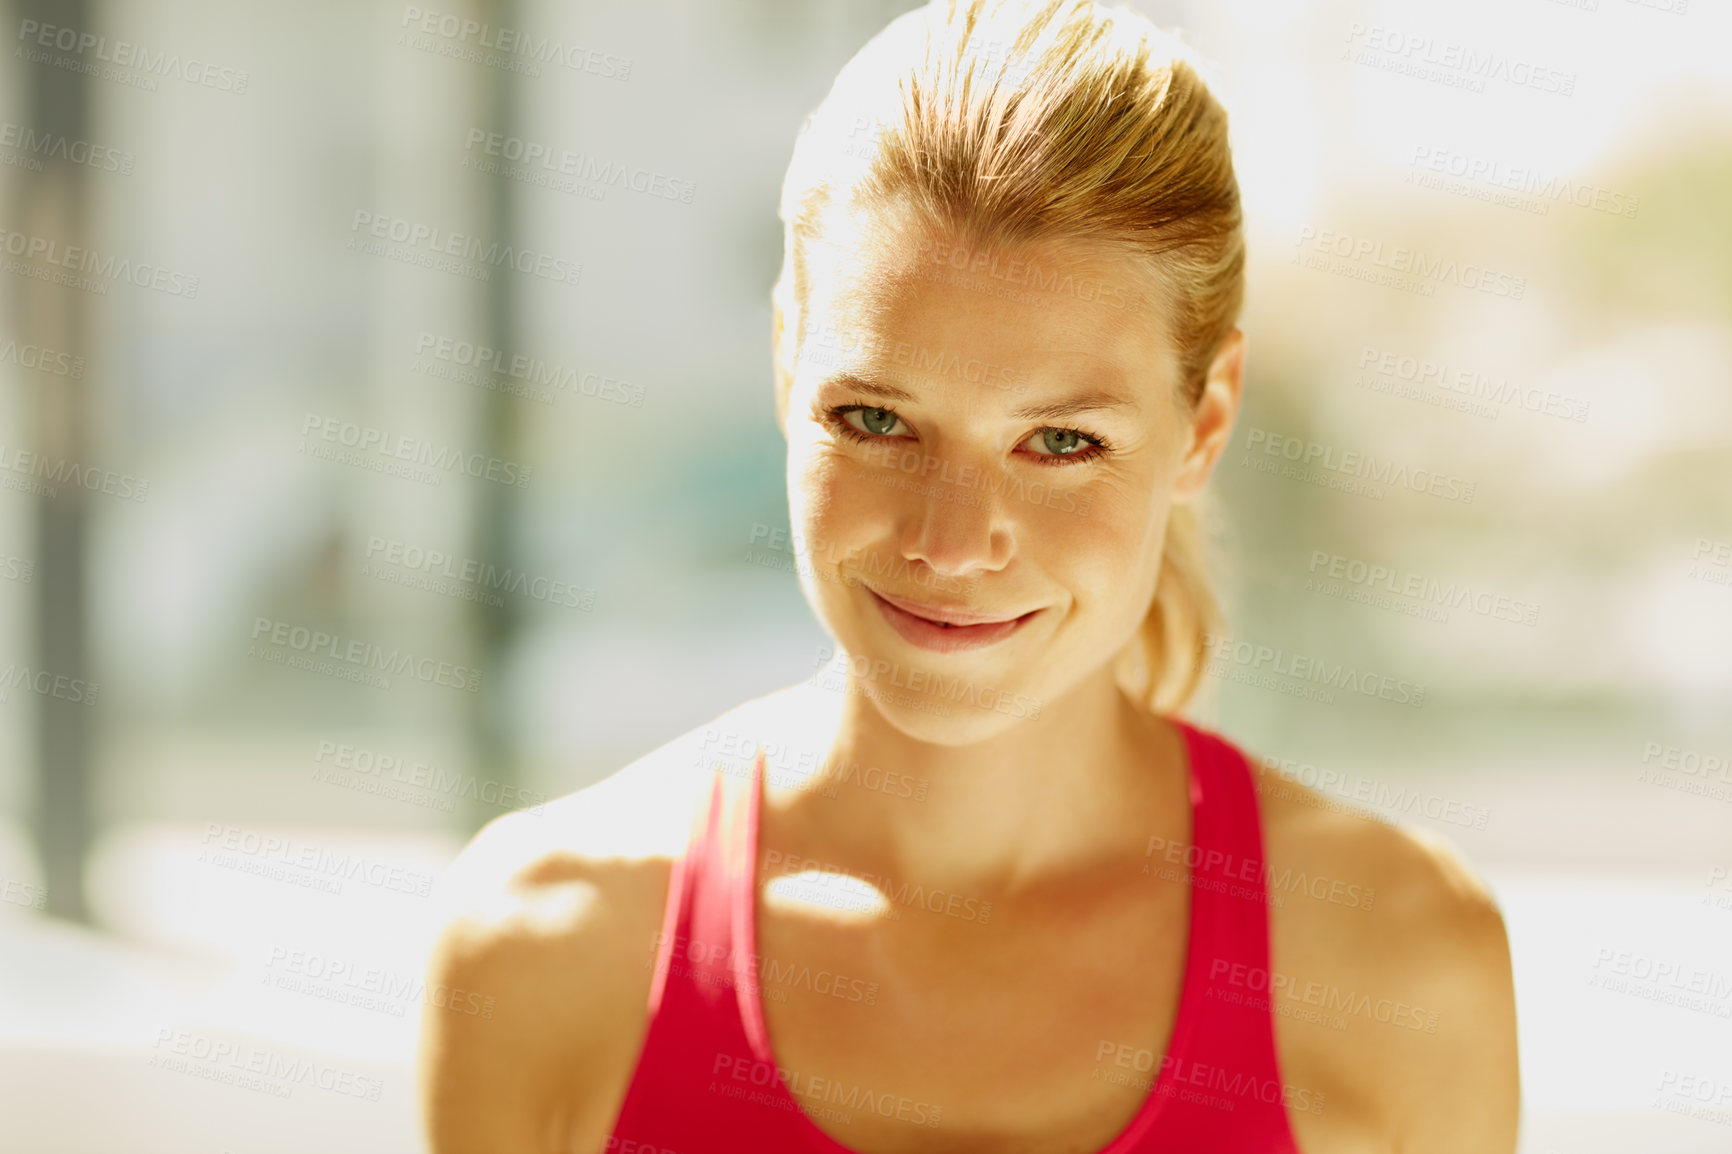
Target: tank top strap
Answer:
[[1230, 1057], [699, 1075], [696, 937]]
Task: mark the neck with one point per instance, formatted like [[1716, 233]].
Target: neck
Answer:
[[1079, 787]]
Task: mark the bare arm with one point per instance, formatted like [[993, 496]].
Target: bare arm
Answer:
[[535, 995], [1412, 964], [1465, 1089]]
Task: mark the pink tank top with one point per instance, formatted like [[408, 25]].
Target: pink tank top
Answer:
[[707, 1081]]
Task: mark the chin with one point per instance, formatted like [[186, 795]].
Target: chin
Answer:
[[936, 698], [940, 721]]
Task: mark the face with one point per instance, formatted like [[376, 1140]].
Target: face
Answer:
[[984, 446]]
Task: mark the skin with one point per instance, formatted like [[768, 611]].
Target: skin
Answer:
[[1048, 815]]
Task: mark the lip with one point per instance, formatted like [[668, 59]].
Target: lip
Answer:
[[942, 613], [945, 630]]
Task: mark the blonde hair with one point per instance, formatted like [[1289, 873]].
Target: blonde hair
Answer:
[[1014, 120]]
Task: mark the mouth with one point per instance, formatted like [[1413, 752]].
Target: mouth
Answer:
[[944, 629]]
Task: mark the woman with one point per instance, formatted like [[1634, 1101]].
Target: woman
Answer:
[[1008, 900]]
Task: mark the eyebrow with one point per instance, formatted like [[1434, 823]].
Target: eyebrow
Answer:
[[1089, 402]]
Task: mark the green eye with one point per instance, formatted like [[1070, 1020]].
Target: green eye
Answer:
[[863, 422], [1061, 442], [877, 420]]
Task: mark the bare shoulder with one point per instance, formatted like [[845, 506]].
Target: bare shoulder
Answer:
[[1421, 873], [549, 930], [1396, 963]]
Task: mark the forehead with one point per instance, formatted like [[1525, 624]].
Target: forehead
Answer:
[[1039, 310]]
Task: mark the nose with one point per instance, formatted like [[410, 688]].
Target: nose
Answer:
[[959, 528]]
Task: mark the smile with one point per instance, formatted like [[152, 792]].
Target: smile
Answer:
[[942, 629]]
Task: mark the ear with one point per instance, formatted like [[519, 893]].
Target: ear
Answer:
[[1212, 420]]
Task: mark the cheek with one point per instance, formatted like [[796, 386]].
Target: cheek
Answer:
[[1109, 551], [846, 510], [828, 493]]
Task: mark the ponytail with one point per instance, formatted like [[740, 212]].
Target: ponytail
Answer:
[[1182, 615]]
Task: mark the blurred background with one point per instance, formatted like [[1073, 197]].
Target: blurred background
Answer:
[[366, 474]]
